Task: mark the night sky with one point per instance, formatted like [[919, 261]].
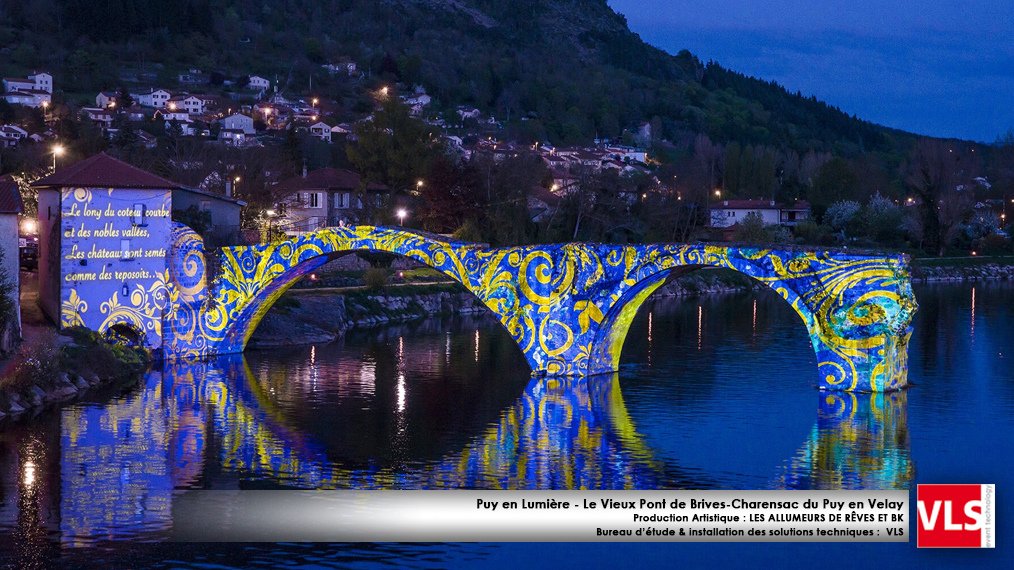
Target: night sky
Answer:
[[937, 67]]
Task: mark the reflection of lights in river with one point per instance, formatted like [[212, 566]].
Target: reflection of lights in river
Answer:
[[29, 477], [971, 334], [755, 317], [447, 353], [477, 345], [649, 338], [700, 322], [401, 392]]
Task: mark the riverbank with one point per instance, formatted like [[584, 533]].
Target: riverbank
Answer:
[[52, 368], [999, 268]]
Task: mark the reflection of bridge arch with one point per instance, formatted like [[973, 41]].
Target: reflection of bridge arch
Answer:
[[567, 306]]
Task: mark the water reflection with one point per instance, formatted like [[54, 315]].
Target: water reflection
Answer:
[[860, 441], [443, 404]]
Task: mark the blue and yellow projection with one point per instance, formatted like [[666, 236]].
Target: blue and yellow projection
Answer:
[[568, 306]]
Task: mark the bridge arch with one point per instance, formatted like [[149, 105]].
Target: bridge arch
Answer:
[[856, 309]]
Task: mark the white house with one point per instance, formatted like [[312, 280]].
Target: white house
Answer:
[[101, 117], [729, 212], [239, 122], [43, 81], [28, 97], [259, 83], [234, 137], [194, 104], [156, 98], [104, 98], [321, 130], [17, 84], [11, 135]]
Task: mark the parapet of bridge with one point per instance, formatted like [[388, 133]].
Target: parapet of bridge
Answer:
[[567, 306]]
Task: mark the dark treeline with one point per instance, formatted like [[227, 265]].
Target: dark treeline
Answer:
[[572, 69]]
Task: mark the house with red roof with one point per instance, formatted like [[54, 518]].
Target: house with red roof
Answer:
[[104, 226], [324, 197]]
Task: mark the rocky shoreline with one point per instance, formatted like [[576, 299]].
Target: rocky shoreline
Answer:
[[57, 369], [982, 272]]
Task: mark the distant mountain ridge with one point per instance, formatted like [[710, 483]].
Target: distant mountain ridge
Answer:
[[572, 68]]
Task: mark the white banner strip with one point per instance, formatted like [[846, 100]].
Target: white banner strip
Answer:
[[541, 516]]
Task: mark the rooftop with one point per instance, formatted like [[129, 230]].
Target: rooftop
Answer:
[[104, 171], [327, 179]]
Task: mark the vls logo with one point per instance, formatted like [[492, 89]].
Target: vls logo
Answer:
[[956, 516]]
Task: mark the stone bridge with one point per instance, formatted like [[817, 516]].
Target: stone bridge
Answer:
[[567, 306]]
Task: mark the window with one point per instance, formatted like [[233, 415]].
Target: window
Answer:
[[125, 253], [139, 215], [341, 200], [315, 199], [205, 205]]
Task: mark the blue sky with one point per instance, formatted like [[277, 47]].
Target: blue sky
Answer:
[[936, 67]]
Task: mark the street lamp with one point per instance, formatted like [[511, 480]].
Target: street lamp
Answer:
[[401, 216], [57, 151], [45, 110], [418, 185]]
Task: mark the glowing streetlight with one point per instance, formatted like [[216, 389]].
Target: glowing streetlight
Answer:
[[314, 102], [28, 226], [57, 151], [383, 92], [172, 106], [401, 216], [419, 184], [718, 193]]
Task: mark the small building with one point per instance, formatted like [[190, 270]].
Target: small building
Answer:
[[232, 137], [156, 98], [323, 197], [104, 98], [321, 130], [224, 210], [29, 97], [729, 212], [239, 122], [10, 209], [104, 226], [259, 83]]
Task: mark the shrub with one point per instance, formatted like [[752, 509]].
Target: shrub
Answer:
[[375, 278]]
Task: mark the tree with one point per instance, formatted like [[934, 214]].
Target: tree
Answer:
[[124, 100], [938, 176], [834, 182], [394, 148], [844, 216], [884, 220]]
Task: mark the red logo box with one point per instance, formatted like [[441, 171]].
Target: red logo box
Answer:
[[956, 516]]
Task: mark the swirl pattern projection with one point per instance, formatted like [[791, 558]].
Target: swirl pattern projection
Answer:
[[567, 306]]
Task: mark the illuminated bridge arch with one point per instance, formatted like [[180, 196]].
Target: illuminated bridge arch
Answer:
[[567, 306]]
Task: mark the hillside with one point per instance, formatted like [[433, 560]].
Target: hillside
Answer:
[[571, 68]]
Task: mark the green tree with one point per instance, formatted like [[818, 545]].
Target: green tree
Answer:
[[394, 148]]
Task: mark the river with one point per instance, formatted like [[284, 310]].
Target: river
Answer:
[[714, 392]]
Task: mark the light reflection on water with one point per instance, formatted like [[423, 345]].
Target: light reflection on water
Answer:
[[715, 392]]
